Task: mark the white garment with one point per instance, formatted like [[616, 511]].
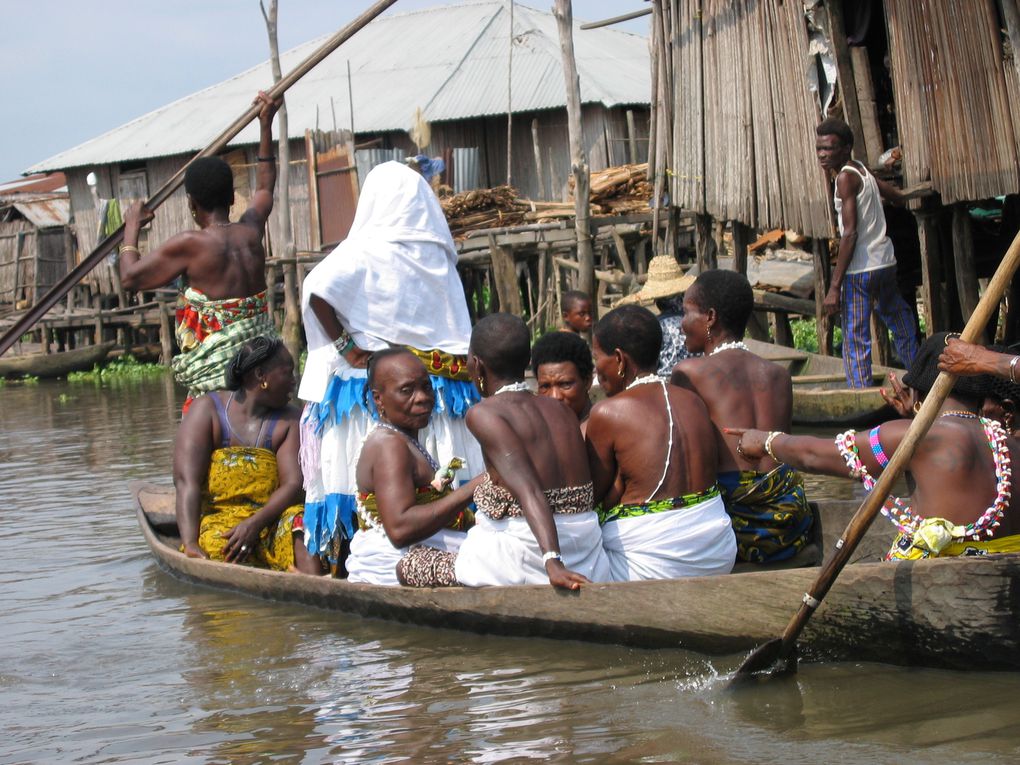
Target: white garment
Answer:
[[505, 551], [374, 559], [393, 280], [873, 249], [689, 541]]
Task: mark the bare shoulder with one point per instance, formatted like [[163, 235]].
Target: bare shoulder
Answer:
[[689, 371]]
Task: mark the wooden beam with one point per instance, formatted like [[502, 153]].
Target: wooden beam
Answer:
[[873, 146], [537, 146], [741, 238], [932, 294], [504, 273], [823, 323], [578, 160], [708, 256], [963, 260], [845, 71]]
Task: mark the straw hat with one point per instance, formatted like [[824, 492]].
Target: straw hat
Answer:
[[665, 279]]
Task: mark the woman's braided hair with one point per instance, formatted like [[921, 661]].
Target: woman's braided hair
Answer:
[[253, 354]]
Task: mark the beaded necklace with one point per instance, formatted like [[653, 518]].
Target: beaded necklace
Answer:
[[414, 442], [738, 344], [654, 378], [903, 518], [516, 387]]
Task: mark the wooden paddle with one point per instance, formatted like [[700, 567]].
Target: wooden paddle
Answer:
[[56, 293], [776, 655]]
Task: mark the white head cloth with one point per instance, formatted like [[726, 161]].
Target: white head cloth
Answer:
[[393, 280]]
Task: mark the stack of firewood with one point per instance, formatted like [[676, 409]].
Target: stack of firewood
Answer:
[[621, 189], [484, 208]]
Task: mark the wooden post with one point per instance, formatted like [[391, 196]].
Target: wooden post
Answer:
[[578, 160], [881, 352], [291, 307], [741, 239], [505, 274], [932, 294], [166, 335], [963, 258], [708, 256], [312, 164], [1011, 15], [823, 323], [537, 146], [845, 71], [631, 137], [19, 246], [873, 147]]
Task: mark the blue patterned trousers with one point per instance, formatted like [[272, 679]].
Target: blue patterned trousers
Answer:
[[860, 293]]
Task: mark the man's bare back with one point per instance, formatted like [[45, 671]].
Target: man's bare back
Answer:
[[222, 262], [741, 390], [541, 431], [628, 439]]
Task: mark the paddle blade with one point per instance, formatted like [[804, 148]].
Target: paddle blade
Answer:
[[765, 661]]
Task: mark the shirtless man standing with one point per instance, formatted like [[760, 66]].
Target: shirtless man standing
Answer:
[[765, 500], [535, 521], [223, 303], [653, 460]]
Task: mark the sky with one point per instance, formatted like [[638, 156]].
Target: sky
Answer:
[[74, 70]]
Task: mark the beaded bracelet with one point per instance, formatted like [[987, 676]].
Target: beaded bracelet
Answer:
[[343, 343]]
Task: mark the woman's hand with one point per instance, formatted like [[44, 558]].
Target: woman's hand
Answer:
[[561, 576], [960, 358], [898, 397], [751, 443], [241, 541], [358, 358], [192, 550]]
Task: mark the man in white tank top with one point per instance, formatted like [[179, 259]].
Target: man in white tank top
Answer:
[[865, 272]]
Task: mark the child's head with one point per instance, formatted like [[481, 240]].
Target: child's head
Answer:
[[576, 311]]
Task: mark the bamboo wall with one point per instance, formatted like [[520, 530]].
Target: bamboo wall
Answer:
[[736, 133], [954, 108], [28, 270]]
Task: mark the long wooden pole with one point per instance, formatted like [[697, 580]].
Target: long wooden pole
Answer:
[[107, 245], [778, 652], [578, 160]]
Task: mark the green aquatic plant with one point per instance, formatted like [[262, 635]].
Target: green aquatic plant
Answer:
[[125, 368]]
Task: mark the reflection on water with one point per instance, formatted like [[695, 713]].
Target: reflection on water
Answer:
[[105, 658]]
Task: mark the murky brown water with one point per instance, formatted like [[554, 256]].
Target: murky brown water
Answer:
[[104, 658]]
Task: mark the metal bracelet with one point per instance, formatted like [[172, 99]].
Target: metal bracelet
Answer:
[[1012, 369], [768, 444]]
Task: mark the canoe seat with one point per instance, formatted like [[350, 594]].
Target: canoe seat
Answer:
[[810, 555]]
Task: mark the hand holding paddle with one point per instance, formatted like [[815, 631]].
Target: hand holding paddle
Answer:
[[775, 655]]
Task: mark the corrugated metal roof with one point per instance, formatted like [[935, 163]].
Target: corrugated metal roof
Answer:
[[451, 61], [40, 183], [45, 211]]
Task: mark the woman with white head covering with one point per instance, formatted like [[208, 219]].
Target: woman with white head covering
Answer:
[[393, 281]]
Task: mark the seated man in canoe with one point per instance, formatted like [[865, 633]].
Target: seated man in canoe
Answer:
[[961, 469], [534, 521], [236, 466], [765, 499], [223, 301], [562, 365], [653, 460], [404, 496]]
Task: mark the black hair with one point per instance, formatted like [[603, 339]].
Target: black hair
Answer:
[[838, 128], [503, 342], [375, 358], [634, 330], [562, 347], [210, 182], [729, 293], [570, 298], [254, 354], [922, 373]]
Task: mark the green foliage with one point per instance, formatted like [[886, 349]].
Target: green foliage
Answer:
[[805, 335], [119, 370]]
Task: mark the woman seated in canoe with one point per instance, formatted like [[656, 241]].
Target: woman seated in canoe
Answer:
[[236, 466], [961, 469], [404, 497], [564, 370]]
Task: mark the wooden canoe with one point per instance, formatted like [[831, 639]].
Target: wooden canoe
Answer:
[[820, 395], [962, 613], [58, 364]]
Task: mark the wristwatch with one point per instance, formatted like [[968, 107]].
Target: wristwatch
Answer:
[[551, 556]]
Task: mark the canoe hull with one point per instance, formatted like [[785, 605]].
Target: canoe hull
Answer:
[[962, 613], [48, 365]]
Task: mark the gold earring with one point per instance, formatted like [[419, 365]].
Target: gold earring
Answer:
[[619, 372], [481, 385], [708, 333], [263, 385], [917, 407]]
